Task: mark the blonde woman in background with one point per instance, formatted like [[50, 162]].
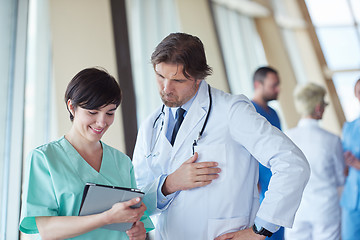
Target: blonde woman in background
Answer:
[[319, 213]]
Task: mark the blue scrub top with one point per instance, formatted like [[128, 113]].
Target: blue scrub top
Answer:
[[351, 195], [270, 115], [55, 179]]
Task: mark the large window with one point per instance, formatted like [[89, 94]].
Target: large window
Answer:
[[39, 93], [149, 22], [13, 25], [39, 126], [7, 32], [25, 97], [337, 26], [241, 46]]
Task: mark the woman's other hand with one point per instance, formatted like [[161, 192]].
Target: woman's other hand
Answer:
[[137, 232]]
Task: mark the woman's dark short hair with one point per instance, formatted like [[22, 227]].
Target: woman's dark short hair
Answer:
[[184, 49], [93, 88]]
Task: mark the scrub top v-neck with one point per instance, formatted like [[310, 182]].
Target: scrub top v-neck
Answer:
[[85, 171]]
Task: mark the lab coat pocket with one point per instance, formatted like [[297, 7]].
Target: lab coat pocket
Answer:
[[213, 153], [218, 227]]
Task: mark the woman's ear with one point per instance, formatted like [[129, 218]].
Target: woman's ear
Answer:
[[71, 107]]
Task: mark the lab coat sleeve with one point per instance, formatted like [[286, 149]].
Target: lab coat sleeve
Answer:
[[289, 167], [163, 202], [145, 218], [142, 175], [339, 163]]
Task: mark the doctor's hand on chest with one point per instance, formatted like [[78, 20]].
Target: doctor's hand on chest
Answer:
[[246, 234], [191, 175]]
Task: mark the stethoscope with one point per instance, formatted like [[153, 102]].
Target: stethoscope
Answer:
[[162, 113]]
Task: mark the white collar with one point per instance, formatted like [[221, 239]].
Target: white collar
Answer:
[[308, 122]]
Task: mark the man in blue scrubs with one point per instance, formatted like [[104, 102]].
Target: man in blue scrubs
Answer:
[[266, 89]]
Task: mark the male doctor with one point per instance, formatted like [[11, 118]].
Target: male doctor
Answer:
[[196, 155]]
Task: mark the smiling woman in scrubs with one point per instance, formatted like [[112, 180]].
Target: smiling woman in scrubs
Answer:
[[57, 171]]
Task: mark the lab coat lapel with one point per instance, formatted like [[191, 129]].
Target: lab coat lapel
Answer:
[[196, 113]]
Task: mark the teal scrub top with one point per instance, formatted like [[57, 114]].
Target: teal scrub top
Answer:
[[55, 179]]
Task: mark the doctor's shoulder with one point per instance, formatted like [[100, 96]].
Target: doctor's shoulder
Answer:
[[238, 102], [229, 99], [155, 117]]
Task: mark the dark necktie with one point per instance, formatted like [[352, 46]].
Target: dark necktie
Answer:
[[180, 113]]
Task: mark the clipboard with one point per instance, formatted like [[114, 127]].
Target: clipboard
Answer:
[[98, 198]]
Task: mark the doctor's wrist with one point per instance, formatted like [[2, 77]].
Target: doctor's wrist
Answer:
[[261, 231], [167, 187]]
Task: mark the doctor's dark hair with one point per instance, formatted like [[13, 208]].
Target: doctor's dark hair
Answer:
[[184, 49], [261, 72], [92, 88]]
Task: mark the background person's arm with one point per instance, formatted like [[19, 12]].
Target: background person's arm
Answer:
[[351, 160]]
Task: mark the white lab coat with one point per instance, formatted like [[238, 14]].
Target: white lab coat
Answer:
[[234, 135], [320, 203]]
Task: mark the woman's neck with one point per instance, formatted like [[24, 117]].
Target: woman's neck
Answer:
[[91, 152], [81, 144]]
